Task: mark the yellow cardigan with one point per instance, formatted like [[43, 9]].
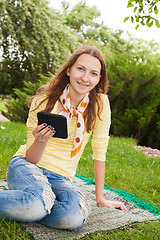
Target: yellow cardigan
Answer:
[[56, 156]]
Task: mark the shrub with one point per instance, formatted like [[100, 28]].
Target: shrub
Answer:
[[17, 108], [134, 76]]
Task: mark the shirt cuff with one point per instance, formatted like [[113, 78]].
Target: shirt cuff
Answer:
[[99, 156]]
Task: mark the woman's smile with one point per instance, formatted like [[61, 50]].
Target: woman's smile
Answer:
[[81, 84]]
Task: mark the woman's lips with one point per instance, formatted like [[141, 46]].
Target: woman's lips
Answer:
[[83, 85]]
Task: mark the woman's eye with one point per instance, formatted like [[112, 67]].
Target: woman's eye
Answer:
[[80, 68], [94, 74]]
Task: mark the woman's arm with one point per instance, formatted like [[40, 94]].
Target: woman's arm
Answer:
[[99, 186], [42, 134]]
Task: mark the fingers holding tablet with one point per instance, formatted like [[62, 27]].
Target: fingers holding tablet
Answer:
[[43, 132]]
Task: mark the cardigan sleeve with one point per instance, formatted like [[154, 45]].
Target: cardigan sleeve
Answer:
[[101, 131]]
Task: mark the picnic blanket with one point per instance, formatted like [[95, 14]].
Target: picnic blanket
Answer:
[[100, 219]]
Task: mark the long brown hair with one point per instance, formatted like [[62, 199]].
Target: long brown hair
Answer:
[[59, 82]]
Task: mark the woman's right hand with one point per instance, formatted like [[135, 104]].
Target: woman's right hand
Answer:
[[43, 133]]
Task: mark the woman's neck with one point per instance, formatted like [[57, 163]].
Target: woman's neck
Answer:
[[75, 102], [75, 98]]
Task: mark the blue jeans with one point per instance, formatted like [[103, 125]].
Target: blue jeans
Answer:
[[36, 194]]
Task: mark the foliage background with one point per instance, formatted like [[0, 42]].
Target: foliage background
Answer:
[[36, 40]]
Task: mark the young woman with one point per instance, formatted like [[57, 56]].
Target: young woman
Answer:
[[40, 173]]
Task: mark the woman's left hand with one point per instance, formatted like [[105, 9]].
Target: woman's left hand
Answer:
[[112, 204]]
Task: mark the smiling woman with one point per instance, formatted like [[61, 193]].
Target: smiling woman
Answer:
[[40, 173]]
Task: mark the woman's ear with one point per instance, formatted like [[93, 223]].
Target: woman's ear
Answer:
[[67, 72]]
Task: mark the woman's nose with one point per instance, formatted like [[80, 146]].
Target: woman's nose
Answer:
[[85, 76]]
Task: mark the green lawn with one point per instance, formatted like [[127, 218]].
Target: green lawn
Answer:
[[126, 169]]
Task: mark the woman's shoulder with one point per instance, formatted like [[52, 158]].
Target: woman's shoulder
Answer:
[[103, 97], [105, 104], [37, 100], [39, 97]]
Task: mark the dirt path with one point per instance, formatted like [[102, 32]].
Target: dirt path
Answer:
[[3, 119], [149, 151]]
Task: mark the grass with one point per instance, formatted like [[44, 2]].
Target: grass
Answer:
[[11, 138], [149, 231], [10, 230], [126, 169]]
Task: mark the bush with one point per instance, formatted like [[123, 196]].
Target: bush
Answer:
[[6, 83], [134, 76], [17, 108]]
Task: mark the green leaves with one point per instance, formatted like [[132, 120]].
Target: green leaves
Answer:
[[149, 22], [81, 16], [33, 39], [137, 26], [140, 3], [156, 10], [157, 24], [126, 19], [143, 12]]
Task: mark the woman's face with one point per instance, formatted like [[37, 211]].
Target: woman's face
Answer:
[[84, 74]]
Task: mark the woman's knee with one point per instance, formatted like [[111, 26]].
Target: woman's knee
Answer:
[[32, 182], [75, 217], [36, 208], [81, 215], [33, 211]]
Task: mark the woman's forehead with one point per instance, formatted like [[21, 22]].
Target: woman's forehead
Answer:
[[88, 61]]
